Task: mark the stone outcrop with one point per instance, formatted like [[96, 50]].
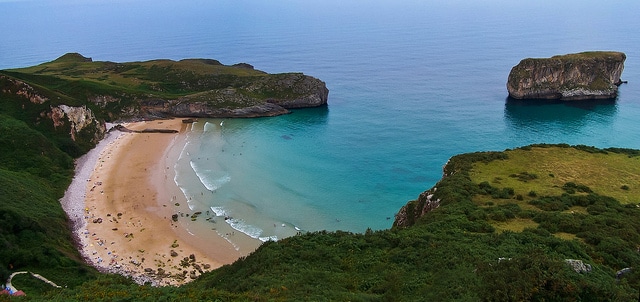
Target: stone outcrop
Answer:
[[201, 109], [621, 273], [79, 119], [580, 76], [414, 210], [578, 266], [410, 213]]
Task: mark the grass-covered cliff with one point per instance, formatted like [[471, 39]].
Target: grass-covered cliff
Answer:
[[71, 97], [164, 87]]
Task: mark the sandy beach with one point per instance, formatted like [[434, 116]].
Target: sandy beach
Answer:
[[121, 204]]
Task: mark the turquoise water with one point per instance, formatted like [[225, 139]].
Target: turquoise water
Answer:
[[412, 83]]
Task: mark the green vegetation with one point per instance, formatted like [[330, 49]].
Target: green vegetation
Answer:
[[591, 55], [604, 171], [34, 231]]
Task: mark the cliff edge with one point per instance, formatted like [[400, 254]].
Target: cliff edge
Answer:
[[579, 76]]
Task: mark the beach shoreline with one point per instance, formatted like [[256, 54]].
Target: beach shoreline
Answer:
[[123, 204]]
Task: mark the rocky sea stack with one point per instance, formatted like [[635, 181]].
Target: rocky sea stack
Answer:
[[580, 76]]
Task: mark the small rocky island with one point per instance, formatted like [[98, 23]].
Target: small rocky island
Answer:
[[579, 76]]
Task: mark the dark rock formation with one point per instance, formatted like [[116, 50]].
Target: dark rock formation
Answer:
[[586, 75], [243, 65], [121, 128], [621, 273]]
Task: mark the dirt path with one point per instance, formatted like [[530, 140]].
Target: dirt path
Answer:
[[12, 289]]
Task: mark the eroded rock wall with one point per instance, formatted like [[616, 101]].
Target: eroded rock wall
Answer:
[[79, 119], [78, 123]]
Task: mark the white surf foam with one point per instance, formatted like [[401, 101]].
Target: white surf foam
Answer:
[[219, 211], [212, 180]]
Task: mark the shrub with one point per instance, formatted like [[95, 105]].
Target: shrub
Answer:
[[571, 188], [524, 176]]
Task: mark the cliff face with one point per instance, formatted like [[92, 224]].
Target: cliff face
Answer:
[[414, 210], [79, 120], [77, 124], [587, 75]]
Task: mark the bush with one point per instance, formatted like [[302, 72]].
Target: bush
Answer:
[[524, 176], [571, 188]]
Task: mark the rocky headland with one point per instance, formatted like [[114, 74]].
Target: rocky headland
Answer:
[[579, 76], [73, 96]]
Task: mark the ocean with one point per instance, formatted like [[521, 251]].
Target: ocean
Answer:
[[411, 83]]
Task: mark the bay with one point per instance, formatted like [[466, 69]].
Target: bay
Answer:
[[412, 83]]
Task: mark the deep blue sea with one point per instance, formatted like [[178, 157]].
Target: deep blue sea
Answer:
[[412, 83]]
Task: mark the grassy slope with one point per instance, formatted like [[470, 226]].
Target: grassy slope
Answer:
[[33, 227], [592, 54], [604, 173], [133, 75]]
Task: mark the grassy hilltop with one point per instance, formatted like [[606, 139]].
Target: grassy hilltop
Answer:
[[506, 224]]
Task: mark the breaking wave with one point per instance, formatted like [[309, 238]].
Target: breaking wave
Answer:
[[211, 179]]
